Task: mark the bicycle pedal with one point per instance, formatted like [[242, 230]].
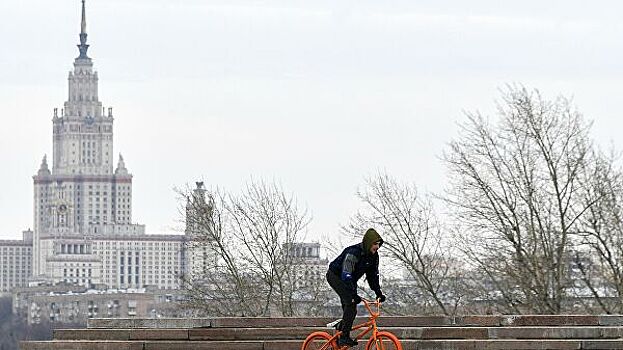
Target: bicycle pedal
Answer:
[[334, 324]]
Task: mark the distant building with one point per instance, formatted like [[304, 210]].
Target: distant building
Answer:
[[83, 230], [15, 262], [85, 257], [310, 267], [75, 304], [201, 258]]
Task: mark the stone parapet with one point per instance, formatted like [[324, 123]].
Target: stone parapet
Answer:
[[387, 321], [115, 323]]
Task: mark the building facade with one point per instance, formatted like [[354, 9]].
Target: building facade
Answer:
[[200, 256], [309, 267], [75, 304], [15, 262]]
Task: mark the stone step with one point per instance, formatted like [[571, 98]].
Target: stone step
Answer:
[[525, 332], [296, 345], [387, 321]]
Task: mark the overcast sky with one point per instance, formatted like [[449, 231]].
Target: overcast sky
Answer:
[[316, 95]]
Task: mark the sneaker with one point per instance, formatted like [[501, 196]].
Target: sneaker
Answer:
[[342, 341], [337, 324]]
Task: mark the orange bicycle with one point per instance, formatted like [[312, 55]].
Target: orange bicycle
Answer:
[[379, 340]]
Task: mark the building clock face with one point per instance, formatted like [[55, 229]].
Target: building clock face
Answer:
[[62, 208]]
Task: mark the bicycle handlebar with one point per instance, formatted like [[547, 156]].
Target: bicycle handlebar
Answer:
[[368, 302]]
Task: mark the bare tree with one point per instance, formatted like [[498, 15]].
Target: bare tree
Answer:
[[267, 222], [599, 260], [518, 190], [416, 245], [240, 246]]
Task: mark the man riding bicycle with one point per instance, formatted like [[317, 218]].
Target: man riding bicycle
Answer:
[[346, 270]]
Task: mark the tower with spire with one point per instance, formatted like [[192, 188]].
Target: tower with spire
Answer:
[[83, 232], [82, 196]]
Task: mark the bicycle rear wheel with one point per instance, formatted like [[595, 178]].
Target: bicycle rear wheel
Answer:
[[384, 341], [319, 341]]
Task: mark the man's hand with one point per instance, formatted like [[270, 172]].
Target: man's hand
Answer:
[[380, 297], [356, 299]]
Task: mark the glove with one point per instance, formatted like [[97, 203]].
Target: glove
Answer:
[[356, 299], [380, 297]]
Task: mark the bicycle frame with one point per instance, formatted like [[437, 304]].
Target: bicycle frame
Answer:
[[367, 328], [369, 325]]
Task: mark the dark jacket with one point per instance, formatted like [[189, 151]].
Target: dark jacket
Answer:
[[355, 261]]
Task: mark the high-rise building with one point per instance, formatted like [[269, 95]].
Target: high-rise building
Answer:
[[83, 230], [83, 234], [200, 256]]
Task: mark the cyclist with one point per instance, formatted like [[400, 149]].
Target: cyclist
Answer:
[[346, 270]]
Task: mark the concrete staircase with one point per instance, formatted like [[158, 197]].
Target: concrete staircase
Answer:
[[446, 333]]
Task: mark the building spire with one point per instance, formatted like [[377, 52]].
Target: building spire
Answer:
[[83, 26], [83, 47], [43, 169], [121, 169]]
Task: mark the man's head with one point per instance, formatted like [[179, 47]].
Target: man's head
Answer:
[[372, 241]]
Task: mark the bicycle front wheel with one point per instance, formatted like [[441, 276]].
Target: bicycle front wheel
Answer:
[[319, 341], [384, 341]]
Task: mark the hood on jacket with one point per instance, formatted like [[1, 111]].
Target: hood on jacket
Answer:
[[369, 238]]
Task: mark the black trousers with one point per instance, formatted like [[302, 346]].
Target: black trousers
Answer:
[[346, 295]]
